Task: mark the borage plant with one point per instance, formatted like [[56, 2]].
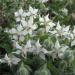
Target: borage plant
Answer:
[[40, 46]]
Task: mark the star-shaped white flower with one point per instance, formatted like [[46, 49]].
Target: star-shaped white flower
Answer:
[[47, 22], [30, 26], [12, 60], [32, 11], [58, 50], [20, 15], [61, 31], [38, 48], [17, 34]]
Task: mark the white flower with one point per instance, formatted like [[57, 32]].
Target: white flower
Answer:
[[15, 60], [73, 43], [28, 44], [27, 47], [58, 27], [18, 34], [58, 50], [44, 19], [38, 48], [7, 59], [33, 11], [12, 60], [26, 27], [16, 45], [20, 15], [30, 25], [47, 22], [35, 48], [61, 31], [22, 49]]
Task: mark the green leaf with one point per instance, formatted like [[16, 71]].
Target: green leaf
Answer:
[[43, 71], [23, 70]]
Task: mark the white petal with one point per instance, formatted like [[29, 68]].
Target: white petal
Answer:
[[20, 11], [53, 32], [73, 43], [72, 36], [33, 11], [38, 45], [30, 9], [28, 14], [66, 28], [42, 56], [47, 28], [12, 31], [51, 24], [24, 32], [19, 27], [58, 26], [24, 23], [15, 37], [28, 44], [17, 52], [2, 61], [7, 59], [41, 19], [18, 19], [16, 14], [30, 31], [47, 18], [30, 21], [43, 1], [57, 45], [44, 51], [15, 60], [16, 45], [63, 49], [24, 14], [60, 55], [34, 27]]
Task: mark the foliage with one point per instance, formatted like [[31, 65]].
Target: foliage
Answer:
[[37, 37]]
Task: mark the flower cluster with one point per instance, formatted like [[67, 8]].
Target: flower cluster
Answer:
[[24, 26], [27, 25]]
